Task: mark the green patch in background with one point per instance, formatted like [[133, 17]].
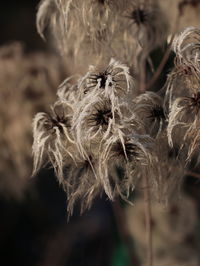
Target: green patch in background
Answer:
[[120, 256]]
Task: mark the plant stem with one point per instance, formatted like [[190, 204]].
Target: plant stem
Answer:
[[165, 57], [193, 174], [148, 218]]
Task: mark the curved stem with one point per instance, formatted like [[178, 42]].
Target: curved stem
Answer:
[[193, 174], [165, 57]]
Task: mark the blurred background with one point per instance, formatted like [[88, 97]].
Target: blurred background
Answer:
[[34, 229]]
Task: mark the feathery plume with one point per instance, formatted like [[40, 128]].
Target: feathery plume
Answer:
[[147, 23], [149, 108], [123, 159], [52, 137], [170, 171], [184, 107]]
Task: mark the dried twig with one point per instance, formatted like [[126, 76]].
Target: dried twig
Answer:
[[193, 174], [165, 57]]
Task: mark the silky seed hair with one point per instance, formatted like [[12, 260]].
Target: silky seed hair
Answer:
[[28, 83], [184, 109], [146, 23], [170, 171], [106, 138], [185, 74], [113, 83], [131, 154], [80, 183], [115, 77], [149, 108], [59, 21], [91, 124], [52, 137], [102, 25]]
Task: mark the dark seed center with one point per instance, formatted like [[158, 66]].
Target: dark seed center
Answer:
[[56, 122], [102, 2], [196, 100], [104, 117], [157, 113], [103, 78], [139, 16]]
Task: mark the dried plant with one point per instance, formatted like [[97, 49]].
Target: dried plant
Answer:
[[149, 108], [172, 227], [103, 115], [147, 23], [184, 108], [109, 132], [52, 138], [27, 85], [104, 26], [95, 131]]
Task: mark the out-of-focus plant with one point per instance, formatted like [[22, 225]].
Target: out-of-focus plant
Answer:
[[28, 84], [174, 231]]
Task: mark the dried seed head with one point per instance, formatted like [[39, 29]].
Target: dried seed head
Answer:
[[76, 25], [185, 75], [122, 160], [184, 123], [80, 184], [101, 116], [149, 108], [147, 23], [115, 78], [51, 140], [187, 49], [184, 105], [139, 16]]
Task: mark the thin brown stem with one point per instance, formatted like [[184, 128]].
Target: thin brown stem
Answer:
[[148, 216], [161, 66], [164, 59], [193, 174], [143, 75]]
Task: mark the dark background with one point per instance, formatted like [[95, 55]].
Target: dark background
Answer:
[[17, 23]]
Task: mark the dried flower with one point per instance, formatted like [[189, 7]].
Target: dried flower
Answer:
[[113, 80], [75, 25], [187, 64], [80, 183], [184, 107], [52, 139], [123, 160], [149, 108], [147, 24], [107, 136]]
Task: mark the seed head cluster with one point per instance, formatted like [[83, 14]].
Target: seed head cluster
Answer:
[[184, 104], [102, 134]]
